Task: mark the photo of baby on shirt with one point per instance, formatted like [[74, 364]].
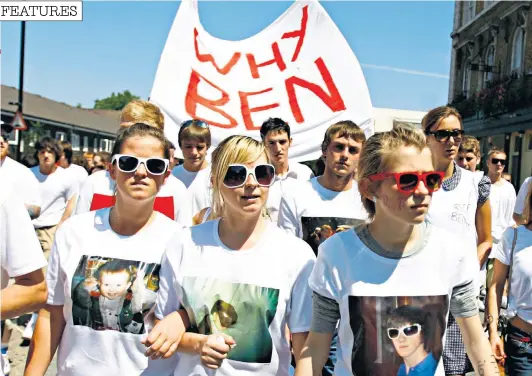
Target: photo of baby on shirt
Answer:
[[113, 294]]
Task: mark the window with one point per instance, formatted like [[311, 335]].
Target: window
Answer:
[[466, 79], [85, 143], [75, 141], [468, 11], [489, 62], [94, 144], [105, 145], [518, 47], [60, 136]]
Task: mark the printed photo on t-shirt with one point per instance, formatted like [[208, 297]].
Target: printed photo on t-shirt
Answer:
[[318, 229], [242, 311], [113, 294], [397, 336]]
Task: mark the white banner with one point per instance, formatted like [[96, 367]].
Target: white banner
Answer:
[[300, 68]]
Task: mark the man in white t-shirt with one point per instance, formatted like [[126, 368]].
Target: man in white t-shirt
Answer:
[[520, 201], [21, 259], [20, 177], [275, 134], [57, 189], [329, 203], [78, 173], [195, 140]]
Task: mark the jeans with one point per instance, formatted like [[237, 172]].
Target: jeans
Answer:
[[328, 369], [519, 353]]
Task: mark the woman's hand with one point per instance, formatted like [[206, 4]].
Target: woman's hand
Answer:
[[163, 339], [497, 347], [215, 348]]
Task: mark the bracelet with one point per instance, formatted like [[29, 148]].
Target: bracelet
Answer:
[[490, 319]]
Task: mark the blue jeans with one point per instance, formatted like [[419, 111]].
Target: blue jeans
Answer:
[[328, 369], [519, 353]]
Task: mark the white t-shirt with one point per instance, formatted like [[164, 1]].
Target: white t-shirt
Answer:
[[296, 171], [20, 250], [520, 301], [502, 201], [55, 189], [198, 185], [259, 291], [172, 200], [78, 173], [307, 207], [107, 313], [521, 196], [376, 293], [22, 179]]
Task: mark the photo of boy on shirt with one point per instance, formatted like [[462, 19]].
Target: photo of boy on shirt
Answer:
[[113, 295]]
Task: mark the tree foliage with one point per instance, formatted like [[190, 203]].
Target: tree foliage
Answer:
[[115, 101]]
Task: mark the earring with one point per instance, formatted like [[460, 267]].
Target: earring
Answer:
[[374, 199]]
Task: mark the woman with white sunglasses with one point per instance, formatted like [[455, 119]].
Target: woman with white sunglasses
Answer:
[[239, 279], [365, 276], [103, 271]]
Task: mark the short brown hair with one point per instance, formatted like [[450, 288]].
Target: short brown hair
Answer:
[[527, 212], [139, 111], [470, 145], [66, 149], [436, 115], [194, 132], [344, 128]]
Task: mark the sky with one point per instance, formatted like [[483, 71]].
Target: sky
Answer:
[[404, 48]]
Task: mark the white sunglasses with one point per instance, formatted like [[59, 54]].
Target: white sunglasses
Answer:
[[237, 175], [130, 163]]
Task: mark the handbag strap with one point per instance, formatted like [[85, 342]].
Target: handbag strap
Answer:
[[511, 266]]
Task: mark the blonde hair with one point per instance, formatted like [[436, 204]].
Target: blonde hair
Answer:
[[436, 115], [496, 150], [379, 150], [234, 149], [470, 145], [194, 132], [139, 111]]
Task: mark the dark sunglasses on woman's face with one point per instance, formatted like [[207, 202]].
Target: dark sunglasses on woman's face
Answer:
[[407, 182], [408, 331], [496, 161], [237, 175], [199, 123], [130, 163], [444, 135]]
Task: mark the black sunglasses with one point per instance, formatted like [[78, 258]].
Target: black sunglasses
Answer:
[[237, 175], [130, 163], [444, 135], [199, 123], [497, 161]]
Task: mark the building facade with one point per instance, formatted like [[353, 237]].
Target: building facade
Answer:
[[491, 77], [87, 130]]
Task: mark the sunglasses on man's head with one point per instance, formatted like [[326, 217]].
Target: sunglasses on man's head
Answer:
[[408, 331], [496, 161], [199, 123], [237, 175], [444, 135], [407, 182], [130, 163]]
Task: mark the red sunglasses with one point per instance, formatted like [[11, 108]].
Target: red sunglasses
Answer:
[[407, 182]]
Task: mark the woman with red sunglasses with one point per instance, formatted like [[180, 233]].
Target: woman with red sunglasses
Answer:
[[236, 282], [103, 271], [462, 206], [399, 259]]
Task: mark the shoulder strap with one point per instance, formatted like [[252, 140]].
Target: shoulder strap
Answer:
[[511, 265]]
